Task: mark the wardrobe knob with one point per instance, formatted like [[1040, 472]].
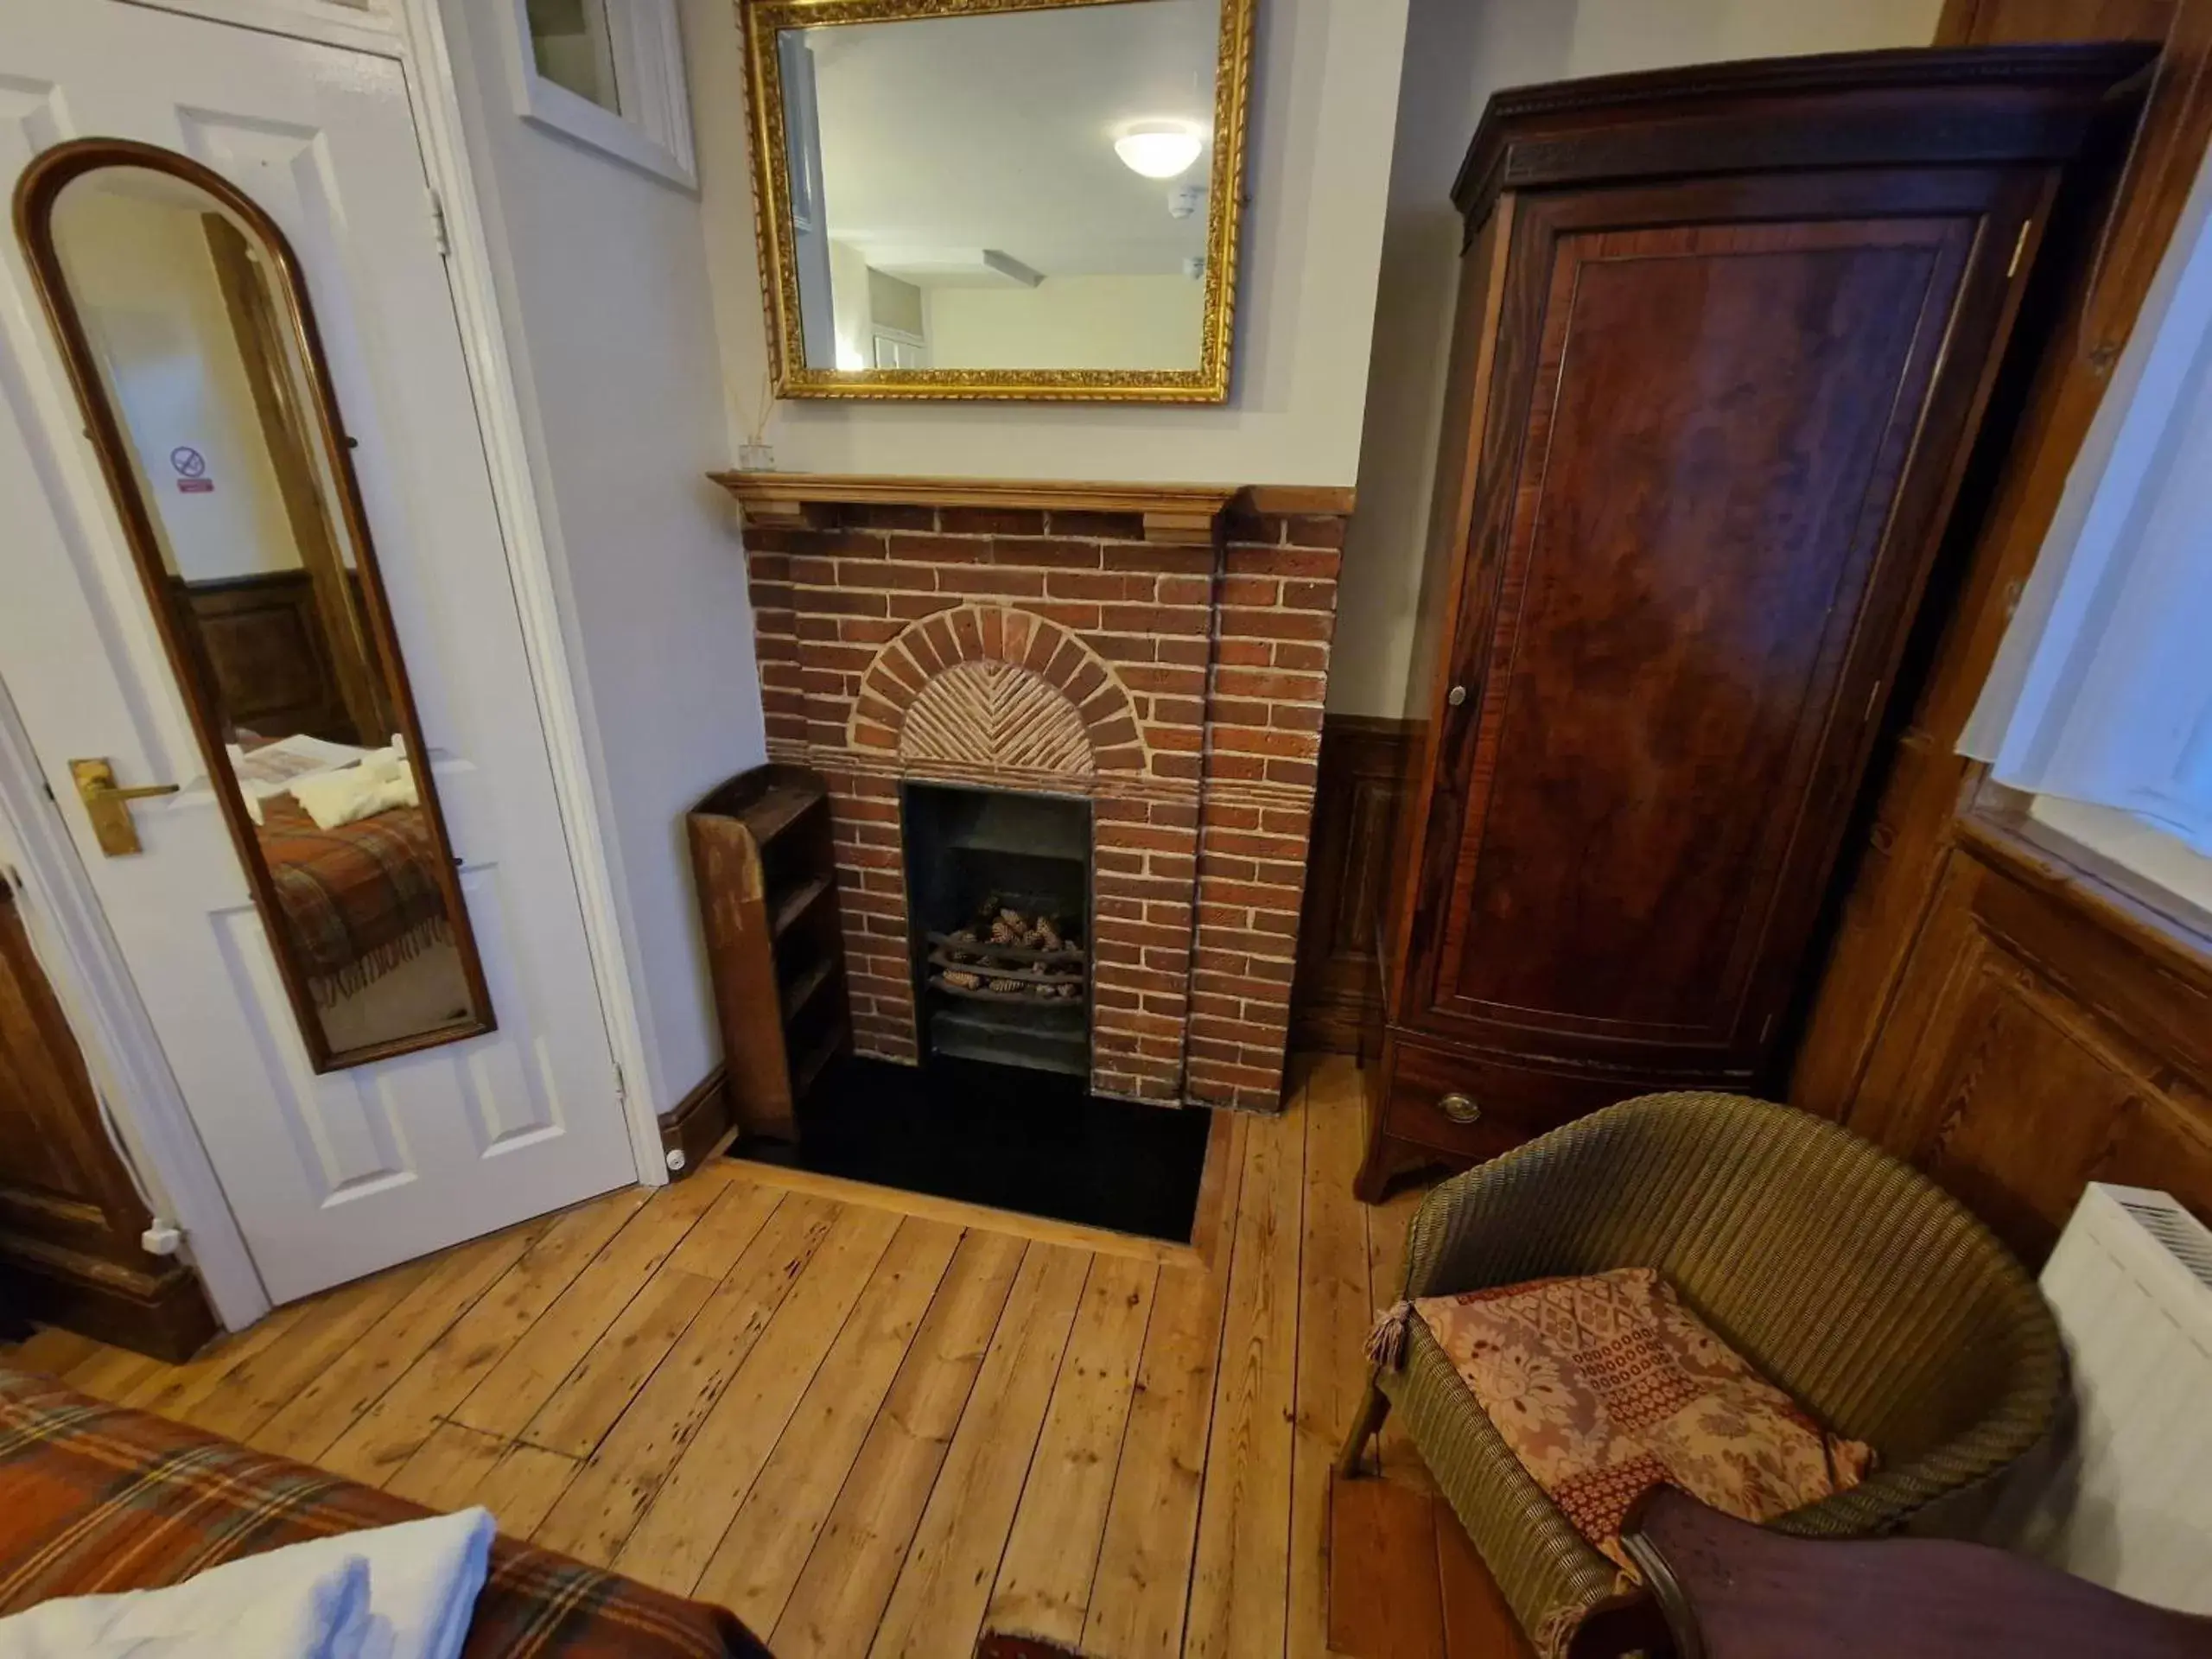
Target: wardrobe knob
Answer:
[[1459, 1108], [1457, 696]]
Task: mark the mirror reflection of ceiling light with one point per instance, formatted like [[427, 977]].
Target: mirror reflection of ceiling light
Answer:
[[1159, 150]]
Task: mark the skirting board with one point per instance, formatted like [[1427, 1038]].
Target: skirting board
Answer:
[[699, 1125], [163, 1313]]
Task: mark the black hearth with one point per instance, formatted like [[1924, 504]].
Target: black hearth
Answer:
[[998, 887], [1025, 1141]]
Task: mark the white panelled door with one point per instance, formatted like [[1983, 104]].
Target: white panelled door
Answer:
[[336, 1175]]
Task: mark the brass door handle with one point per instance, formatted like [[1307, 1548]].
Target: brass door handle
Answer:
[[107, 803], [1459, 1108]]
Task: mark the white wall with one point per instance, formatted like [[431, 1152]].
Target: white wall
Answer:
[[603, 288], [1457, 54], [1326, 78], [142, 276], [1069, 322]]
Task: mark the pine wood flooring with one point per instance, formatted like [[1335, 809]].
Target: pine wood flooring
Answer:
[[868, 1432]]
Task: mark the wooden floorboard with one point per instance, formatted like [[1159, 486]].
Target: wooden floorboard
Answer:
[[1334, 1313], [1385, 1601], [874, 1426], [1143, 1585], [1478, 1623], [679, 1533], [840, 1597], [759, 1558], [1240, 1578], [1045, 1576], [381, 1440], [1387, 1225], [936, 1607], [527, 1375]]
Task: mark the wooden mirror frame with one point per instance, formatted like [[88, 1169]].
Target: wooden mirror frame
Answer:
[[36, 192], [771, 204]]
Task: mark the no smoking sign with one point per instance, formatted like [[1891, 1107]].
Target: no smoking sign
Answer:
[[191, 469]]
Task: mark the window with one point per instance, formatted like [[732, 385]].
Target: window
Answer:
[[570, 44], [896, 349], [606, 72], [2101, 696]]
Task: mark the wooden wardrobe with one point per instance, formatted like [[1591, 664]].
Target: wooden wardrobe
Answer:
[[1724, 338]]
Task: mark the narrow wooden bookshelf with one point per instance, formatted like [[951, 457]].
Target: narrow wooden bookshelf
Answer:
[[762, 852]]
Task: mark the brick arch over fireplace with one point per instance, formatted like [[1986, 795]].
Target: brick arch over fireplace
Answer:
[[993, 685]]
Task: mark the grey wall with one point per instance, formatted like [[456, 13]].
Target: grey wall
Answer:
[[602, 275]]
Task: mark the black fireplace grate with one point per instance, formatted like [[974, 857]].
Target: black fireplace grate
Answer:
[[999, 894]]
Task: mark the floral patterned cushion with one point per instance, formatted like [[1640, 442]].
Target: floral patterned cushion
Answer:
[[1607, 1386]]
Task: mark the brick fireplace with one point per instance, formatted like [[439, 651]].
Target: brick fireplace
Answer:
[[1161, 655]]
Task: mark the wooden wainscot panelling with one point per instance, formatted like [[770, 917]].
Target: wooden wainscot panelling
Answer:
[[2103, 242], [1338, 988], [267, 653], [2052, 1029], [2001, 1008], [69, 1216]]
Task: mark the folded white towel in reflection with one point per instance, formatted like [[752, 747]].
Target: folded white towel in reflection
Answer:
[[394, 1592], [258, 1606], [269, 768], [382, 781]]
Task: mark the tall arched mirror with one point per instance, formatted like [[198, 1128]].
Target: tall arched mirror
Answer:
[[185, 323]]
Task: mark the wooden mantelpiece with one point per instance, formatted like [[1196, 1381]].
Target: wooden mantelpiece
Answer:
[[1173, 514]]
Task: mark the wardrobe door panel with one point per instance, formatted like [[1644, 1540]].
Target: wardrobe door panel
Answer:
[[1705, 538]]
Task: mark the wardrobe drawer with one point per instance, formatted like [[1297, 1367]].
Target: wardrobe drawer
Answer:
[[1475, 1108]]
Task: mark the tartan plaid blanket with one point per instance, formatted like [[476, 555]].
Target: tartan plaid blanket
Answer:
[[96, 1498], [360, 898]]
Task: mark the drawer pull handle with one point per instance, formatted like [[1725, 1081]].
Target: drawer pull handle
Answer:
[[1459, 1108]]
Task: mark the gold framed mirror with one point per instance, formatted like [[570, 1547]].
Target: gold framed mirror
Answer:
[[999, 198], [185, 325]]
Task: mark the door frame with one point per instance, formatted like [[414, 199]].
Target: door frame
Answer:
[[569, 744], [91, 976]]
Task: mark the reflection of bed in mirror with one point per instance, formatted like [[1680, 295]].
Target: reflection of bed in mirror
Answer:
[[358, 890], [367, 918]]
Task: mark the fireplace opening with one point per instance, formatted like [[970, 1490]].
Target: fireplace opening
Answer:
[[998, 887]]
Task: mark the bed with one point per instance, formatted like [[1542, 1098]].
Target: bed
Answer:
[[359, 899], [95, 1497]]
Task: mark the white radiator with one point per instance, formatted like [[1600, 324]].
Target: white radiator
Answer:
[[2131, 1507]]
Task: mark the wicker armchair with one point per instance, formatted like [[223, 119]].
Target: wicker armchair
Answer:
[[1853, 1281]]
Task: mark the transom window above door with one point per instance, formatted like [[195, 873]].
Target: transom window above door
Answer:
[[608, 74]]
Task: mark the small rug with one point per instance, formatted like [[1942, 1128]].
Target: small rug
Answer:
[[995, 1646]]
